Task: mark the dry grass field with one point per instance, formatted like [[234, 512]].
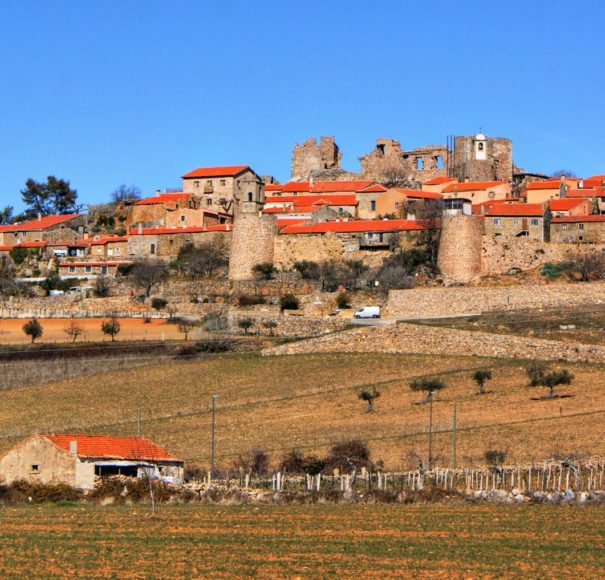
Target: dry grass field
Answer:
[[311, 401], [11, 330], [437, 541]]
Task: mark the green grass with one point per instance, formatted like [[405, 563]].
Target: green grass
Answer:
[[317, 541]]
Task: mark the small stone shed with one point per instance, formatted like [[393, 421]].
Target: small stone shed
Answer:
[[77, 459]]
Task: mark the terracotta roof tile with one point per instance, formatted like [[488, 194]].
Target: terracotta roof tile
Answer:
[[473, 186], [163, 198], [516, 209], [537, 185], [224, 171], [103, 446], [419, 194], [439, 180], [578, 219], [43, 223], [564, 204]]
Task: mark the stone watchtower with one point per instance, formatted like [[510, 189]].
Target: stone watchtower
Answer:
[[460, 246], [253, 232], [481, 158]]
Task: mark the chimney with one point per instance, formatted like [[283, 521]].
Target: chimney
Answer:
[[73, 447], [140, 228], [85, 235], [158, 192], [311, 181], [39, 217]]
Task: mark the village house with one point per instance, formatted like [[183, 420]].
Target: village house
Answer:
[[578, 229], [218, 188], [570, 206], [108, 246], [68, 249], [166, 243], [313, 208], [555, 188], [36, 247], [49, 228], [76, 460], [518, 220], [90, 269], [477, 192], [403, 203]]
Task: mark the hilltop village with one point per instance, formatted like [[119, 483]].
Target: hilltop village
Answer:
[[439, 215]]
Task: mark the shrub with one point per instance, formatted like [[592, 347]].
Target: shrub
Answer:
[[102, 287], [495, 457], [308, 270], [158, 303], [293, 462], [343, 300], [270, 325], [215, 322], [111, 327], [535, 372], [348, 455], [250, 299], [369, 397], [289, 302], [21, 491], [553, 271], [19, 254], [264, 270], [124, 269]]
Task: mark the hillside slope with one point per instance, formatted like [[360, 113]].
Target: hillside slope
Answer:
[[310, 401]]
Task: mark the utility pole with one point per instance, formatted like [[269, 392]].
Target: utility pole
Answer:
[[454, 438], [431, 430], [212, 429]]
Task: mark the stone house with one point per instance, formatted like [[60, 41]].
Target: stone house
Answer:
[[570, 206], [76, 460], [218, 188], [165, 243], [477, 192], [68, 249], [90, 268], [541, 191], [40, 247], [518, 220], [578, 229], [50, 228], [403, 203], [108, 246]]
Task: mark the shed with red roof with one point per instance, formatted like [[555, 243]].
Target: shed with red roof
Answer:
[[78, 459]]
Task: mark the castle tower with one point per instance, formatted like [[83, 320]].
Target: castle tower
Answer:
[[460, 247], [481, 158], [253, 232]]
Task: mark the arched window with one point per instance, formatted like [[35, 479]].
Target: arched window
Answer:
[[249, 196]]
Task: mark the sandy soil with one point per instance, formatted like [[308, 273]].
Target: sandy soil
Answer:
[[11, 330]]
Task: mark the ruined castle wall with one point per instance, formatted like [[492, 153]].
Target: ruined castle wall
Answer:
[[310, 157], [252, 243], [460, 248]]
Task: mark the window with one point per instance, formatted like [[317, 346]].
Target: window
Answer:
[[535, 222], [580, 226], [497, 222], [88, 269], [117, 251], [341, 210], [223, 182], [103, 270], [182, 218], [72, 269], [516, 222], [250, 196], [564, 227], [35, 468], [372, 205], [196, 184], [208, 181], [439, 162], [152, 249], [419, 163], [480, 146], [209, 201]]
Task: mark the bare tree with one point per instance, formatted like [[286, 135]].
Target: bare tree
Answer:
[[147, 274], [186, 326], [102, 287], [73, 330], [125, 193], [586, 266], [205, 260]]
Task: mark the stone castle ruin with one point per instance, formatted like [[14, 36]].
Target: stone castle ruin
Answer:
[[469, 158]]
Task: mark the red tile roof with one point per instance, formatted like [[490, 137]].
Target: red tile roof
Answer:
[[107, 240], [273, 187], [418, 194], [103, 446], [480, 208], [592, 192], [356, 226], [189, 230], [9, 247], [334, 186], [342, 199], [578, 218], [564, 204], [473, 186], [284, 222], [594, 181], [516, 209], [537, 185], [162, 198], [86, 263], [225, 171], [375, 188], [439, 180], [42, 223]]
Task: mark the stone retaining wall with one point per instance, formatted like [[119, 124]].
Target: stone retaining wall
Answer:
[[434, 302], [288, 326], [417, 339]]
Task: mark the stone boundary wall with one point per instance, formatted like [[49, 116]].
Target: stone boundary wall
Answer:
[[436, 302], [417, 339], [501, 254], [288, 326]]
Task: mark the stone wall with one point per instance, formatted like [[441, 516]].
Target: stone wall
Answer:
[[499, 255], [417, 339], [459, 257], [498, 165], [287, 325], [436, 302]]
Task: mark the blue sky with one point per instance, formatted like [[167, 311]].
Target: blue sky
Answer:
[[142, 91]]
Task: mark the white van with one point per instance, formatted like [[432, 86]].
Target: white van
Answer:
[[368, 312]]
